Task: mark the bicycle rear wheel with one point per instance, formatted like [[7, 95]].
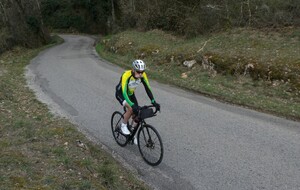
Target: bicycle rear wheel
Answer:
[[150, 145], [116, 120]]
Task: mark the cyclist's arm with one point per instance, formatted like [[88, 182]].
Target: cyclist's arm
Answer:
[[124, 84], [146, 84]]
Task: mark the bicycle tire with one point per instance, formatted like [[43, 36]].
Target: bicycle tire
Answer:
[[119, 137], [150, 141]]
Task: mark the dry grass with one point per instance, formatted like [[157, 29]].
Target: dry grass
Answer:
[[257, 69], [39, 151]]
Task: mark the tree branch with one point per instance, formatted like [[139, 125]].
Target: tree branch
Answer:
[[201, 49]]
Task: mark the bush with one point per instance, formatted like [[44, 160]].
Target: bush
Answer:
[[191, 18], [6, 40]]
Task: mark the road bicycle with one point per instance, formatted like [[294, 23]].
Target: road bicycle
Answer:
[[149, 141]]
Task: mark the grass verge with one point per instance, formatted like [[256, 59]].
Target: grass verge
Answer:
[[255, 69], [40, 151]]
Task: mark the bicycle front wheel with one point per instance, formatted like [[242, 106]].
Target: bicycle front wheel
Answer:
[[150, 145], [116, 120]]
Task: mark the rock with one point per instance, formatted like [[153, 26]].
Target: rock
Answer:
[[184, 75], [189, 64], [81, 145], [155, 51]]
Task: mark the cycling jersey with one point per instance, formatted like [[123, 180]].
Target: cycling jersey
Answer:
[[127, 85]]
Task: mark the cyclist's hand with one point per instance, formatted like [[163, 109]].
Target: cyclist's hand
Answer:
[[156, 105], [135, 109]]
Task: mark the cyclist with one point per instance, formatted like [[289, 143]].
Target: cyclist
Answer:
[[130, 79]]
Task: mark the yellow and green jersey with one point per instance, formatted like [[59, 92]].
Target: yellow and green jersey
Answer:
[[128, 84]]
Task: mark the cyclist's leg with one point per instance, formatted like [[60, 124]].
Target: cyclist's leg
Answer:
[[129, 111], [126, 116], [134, 124]]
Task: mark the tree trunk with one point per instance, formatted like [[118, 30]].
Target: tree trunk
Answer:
[[113, 13], [5, 19]]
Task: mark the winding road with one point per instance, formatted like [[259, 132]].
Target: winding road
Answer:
[[208, 144]]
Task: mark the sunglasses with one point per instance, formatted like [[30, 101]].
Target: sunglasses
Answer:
[[140, 72]]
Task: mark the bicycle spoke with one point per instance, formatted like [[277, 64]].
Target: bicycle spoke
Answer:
[[150, 145], [115, 126]]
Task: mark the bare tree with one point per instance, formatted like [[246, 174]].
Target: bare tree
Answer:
[[249, 12], [23, 24], [113, 13], [5, 19]]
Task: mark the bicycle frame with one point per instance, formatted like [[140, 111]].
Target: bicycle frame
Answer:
[[140, 124], [135, 130]]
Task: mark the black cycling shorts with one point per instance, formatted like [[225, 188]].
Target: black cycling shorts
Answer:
[[121, 98]]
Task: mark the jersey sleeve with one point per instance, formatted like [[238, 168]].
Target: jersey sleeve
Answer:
[[146, 84], [124, 84]]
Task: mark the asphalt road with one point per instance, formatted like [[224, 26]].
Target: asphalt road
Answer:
[[208, 144]]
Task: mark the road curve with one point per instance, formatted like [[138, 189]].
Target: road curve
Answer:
[[208, 144]]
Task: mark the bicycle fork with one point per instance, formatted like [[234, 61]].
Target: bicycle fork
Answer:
[[146, 134]]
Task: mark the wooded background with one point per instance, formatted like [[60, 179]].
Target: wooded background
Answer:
[[194, 17], [24, 22], [21, 24]]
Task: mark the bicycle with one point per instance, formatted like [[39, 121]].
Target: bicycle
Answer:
[[149, 141]]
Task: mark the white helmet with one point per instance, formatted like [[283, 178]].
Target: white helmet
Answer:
[[138, 65]]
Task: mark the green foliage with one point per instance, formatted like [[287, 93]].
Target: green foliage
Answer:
[[80, 15], [34, 23], [107, 173], [49, 7]]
